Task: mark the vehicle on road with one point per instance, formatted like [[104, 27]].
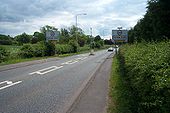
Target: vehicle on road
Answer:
[[110, 49]]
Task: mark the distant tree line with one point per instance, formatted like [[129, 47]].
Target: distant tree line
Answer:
[[71, 34], [155, 25], [71, 40]]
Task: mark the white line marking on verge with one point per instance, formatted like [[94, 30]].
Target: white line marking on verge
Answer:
[[46, 70], [9, 84]]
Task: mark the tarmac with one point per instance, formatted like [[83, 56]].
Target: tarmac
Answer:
[[28, 63], [94, 97]]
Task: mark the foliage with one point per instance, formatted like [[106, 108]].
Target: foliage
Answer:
[[97, 38], [147, 70], [74, 45], [47, 28], [27, 51], [63, 48], [155, 25], [120, 96], [49, 49], [23, 38], [37, 37], [108, 42], [39, 49], [3, 54], [5, 40], [64, 38]]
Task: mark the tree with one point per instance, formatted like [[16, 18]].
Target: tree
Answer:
[[23, 38], [97, 38], [5, 40], [155, 25], [39, 36], [64, 38], [47, 28]]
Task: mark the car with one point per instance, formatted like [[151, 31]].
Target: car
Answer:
[[110, 49]]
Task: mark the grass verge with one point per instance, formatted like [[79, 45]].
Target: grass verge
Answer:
[[19, 60], [119, 95]]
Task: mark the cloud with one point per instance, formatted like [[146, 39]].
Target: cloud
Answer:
[[29, 15]]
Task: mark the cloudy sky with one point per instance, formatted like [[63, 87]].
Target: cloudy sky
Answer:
[[18, 16]]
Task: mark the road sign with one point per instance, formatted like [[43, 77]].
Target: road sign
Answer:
[[120, 35], [52, 35]]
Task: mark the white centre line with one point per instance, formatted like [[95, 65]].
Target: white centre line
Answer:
[[9, 84]]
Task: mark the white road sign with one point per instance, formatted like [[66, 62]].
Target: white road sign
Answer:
[[120, 35]]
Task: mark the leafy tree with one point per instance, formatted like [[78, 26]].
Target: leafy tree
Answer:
[[5, 40], [155, 25], [97, 38], [74, 45], [39, 36], [108, 42], [47, 28], [23, 38], [64, 38]]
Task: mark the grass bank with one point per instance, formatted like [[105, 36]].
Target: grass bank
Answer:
[[119, 95]]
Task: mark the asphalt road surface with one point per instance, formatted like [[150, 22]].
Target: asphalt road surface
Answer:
[[48, 87]]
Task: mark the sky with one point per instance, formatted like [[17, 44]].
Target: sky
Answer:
[[18, 16]]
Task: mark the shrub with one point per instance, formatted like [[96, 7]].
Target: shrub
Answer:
[[39, 49], [97, 45], [27, 51], [74, 45], [49, 49], [147, 68], [63, 48], [3, 54]]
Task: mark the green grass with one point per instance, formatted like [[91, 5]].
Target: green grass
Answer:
[[14, 58], [119, 95], [19, 60]]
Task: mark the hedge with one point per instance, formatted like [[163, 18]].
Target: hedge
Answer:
[[147, 70]]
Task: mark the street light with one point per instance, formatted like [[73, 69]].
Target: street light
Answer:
[[79, 15], [77, 20]]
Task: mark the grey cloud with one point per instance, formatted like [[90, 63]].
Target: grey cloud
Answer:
[[98, 16]]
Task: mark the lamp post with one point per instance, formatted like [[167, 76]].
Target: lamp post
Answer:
[[79, 15], [77, 22]]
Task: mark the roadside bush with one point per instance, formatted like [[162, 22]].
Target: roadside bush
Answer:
[[74, 45], [4, 54], [147, 70], [85, 48], [49, 49], [63, 48], [39, 49], [98, 45], [6, 42], [27, 51]]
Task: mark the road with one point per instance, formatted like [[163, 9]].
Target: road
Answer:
[[48, 87]]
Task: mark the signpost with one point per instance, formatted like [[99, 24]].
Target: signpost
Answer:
[[52, 35], [120, 35]]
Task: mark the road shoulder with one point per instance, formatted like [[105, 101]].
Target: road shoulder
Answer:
[[94, 98]]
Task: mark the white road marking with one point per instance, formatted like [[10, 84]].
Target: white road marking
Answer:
[[69, 62], [73, 61], [9, 84], [46, 70]]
